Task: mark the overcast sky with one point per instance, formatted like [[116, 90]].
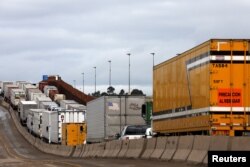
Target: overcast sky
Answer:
[[68, 37]]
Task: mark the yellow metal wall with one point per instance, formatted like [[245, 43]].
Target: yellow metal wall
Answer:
[[73, 133], [210, 85], [171, 86], [199, 123], [230, 77]]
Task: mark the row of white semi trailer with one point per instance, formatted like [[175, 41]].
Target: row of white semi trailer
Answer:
[[36, 110], [105, 116]]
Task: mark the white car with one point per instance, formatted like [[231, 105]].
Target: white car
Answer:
[[133, 132]]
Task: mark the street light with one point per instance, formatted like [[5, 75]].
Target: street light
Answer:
[[83, 82], [153, 59], [129, 73], [95, 78], [109, 73]]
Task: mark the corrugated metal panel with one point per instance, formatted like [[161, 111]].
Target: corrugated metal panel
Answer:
[[65, 103], [112, 113], [47, 104], [70, 116], [50, 129], [24, 107], [213, 75], [95, 119], [17, 95], [31, 92], [39, 100]]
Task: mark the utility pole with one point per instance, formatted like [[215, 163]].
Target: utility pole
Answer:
[[95, 78], [83, 82], [109, 73], [129, 73], [153, 59]]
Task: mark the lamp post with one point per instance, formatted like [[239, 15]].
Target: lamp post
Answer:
[[109, 73], [129, 73], [83, 82], [153, 59], [95, 78]]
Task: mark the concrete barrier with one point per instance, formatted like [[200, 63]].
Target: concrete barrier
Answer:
[[115, 148], [94, 149], [171, 147], [48, 148], [150, 147], [200, 149], [218, 143], [38, 144], [184, 148], [135, 148], [31, 139], [90, 151], [61, 150], [68, 150], [108, 150], [86, 151], [159, 148], [77, 151], [241, 143], [83, 150], [124, 148], [100, 150], [52, 149]]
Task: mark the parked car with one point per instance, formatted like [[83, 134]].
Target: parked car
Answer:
[[133, 132]]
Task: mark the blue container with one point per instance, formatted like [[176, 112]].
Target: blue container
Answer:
[[45, 77]]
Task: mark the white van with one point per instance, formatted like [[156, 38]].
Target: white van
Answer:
[[133, 132]]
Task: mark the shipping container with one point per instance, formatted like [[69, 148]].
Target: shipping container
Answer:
[[3, 85], [107, 115], [50, 126], [59, 97], [26, 89], [48, 104], [18, 83], [65, 103], [45, 77], [31, 93], [47, 88], [7, 91], [34, 121], [34, 96], [52, 93], [42, 84], [22, 84], [204, 90], [74, 134], [69, 116], [39, 100], [16, 96], [78, 107], [23, 109]]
